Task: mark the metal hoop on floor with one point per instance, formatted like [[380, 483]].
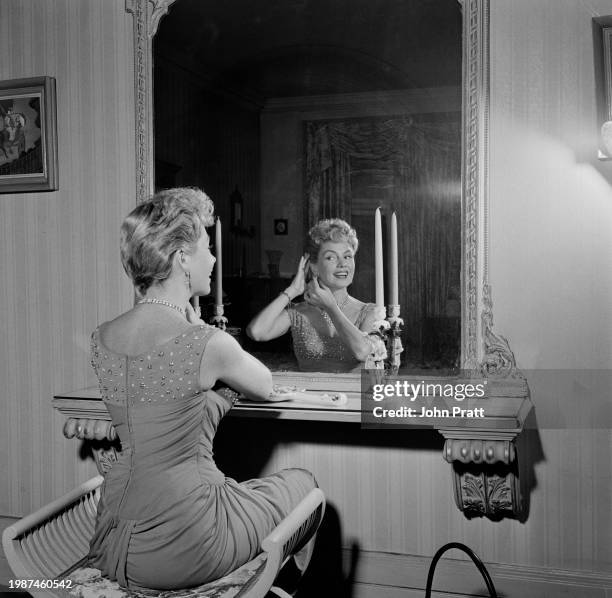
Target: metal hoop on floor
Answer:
[[479, 564]]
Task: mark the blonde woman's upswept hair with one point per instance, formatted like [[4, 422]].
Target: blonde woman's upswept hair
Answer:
[[170, 221], [331, 229]]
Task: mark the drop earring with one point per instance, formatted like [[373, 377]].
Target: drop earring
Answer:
[[188, 280]]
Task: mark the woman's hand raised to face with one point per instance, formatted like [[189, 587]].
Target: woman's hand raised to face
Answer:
[[298, 284], [319, 295]]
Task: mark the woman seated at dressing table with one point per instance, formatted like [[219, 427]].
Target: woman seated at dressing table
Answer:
[[167, 517], [331, 331]]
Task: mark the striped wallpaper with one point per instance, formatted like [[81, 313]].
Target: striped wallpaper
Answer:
[[59, 263]]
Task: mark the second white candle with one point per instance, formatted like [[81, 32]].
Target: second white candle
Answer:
[[218, 265], [378, 259], [393, 271]]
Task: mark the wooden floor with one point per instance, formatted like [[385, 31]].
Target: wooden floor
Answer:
[[5, 572]]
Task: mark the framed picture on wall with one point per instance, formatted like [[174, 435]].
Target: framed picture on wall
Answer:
[[28, 135], [281, 226]]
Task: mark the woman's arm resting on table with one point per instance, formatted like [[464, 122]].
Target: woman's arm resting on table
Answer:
[[225, 360]]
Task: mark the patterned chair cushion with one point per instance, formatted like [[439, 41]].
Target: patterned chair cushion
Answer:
[[89, 583]]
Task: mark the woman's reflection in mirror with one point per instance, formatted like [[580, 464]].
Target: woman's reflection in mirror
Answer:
[[331, 331]]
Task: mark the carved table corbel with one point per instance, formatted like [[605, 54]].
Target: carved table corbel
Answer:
[[484, 462], [485, 479], [87, 419], [100, 436]]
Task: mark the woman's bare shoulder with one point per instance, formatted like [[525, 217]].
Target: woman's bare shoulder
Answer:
[[222, 341], [134, 331]]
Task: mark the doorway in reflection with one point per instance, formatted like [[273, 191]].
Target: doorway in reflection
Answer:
[[245, 95]]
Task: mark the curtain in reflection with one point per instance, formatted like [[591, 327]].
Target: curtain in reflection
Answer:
[[427, 199], [411, 165], [328, 167]]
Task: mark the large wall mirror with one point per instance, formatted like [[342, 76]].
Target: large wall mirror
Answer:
[[385, 102]]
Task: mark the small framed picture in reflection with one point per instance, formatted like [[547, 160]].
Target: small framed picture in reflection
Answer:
[[280, 226]]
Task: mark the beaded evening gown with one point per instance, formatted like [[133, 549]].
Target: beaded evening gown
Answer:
[[167, 517], [318, 348]]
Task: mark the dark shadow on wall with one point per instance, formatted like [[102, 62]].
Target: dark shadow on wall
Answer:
[[243, 447], [326, 574], [530, 452]]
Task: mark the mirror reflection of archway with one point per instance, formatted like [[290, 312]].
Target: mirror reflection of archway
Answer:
[[236, 86]]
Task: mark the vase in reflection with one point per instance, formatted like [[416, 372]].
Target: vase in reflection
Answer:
[[274, 258]]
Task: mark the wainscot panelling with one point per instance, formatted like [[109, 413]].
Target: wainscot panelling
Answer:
[[59, 257], [385, 575]]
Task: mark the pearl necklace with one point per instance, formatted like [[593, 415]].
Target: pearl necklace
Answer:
[[327, 317], [157, 301], [343, 304]]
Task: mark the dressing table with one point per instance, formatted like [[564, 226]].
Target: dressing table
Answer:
[[481, 451]]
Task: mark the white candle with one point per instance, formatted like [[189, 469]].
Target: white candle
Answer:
[[219, 268], [378, 259], [393, 281]]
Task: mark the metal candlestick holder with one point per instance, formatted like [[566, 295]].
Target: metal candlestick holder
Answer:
[[382, 329], [219, 320], [394, 341], [382, 326]]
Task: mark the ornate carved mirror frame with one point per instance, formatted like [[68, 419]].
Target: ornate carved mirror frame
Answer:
[[481, 348]]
